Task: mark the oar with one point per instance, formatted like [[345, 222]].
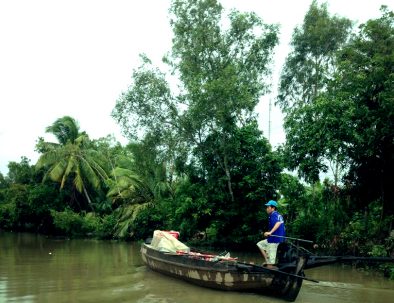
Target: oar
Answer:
[[352, 258], [290, 238], [296, 276], [272, 270]]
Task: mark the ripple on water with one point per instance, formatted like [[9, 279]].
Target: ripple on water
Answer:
[[149, 298], [134, 287], [23, 299], [336, 284], [332, 292]]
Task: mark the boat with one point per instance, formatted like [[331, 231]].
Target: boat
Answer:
[[165, 254], [220, 271]]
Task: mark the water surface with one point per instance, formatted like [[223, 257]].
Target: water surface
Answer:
[[34, 268]]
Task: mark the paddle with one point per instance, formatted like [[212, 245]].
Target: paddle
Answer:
[[290, 238], [272, 270]]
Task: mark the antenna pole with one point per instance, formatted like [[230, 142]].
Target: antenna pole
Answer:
[[269, 120]]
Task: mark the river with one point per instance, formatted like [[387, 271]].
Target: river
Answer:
[[34, 268]]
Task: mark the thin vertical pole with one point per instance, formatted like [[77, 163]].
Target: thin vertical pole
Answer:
[[269, 120]]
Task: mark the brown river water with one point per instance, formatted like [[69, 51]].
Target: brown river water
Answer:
[[34, 268]]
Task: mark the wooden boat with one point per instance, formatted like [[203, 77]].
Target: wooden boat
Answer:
[[225, 273]]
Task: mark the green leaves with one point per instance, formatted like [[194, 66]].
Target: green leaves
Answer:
[[71, 158], [309, 102], [365, 78], [147, 106], [124, 185], [65, 129], [221, 74], [337, 97], [310, 65]]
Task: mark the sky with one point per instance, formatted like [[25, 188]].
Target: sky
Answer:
[[75, 57]]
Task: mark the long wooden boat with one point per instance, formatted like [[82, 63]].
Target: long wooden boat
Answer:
[[228, 273]]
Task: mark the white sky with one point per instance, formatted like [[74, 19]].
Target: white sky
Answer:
[[75, 57]]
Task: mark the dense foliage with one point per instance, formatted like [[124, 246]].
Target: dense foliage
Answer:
[[196, 160]]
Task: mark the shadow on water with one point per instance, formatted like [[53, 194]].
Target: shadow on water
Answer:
[[37, 269]]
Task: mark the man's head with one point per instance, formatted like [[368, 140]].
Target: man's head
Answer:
[[271, 206]]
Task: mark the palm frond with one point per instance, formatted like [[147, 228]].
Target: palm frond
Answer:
[[57, 171], [89, 173], [81, 140], [72, 157], [78, 182], [127, 217], [49, 158], [70, 168], [125, 186], [65, 129]]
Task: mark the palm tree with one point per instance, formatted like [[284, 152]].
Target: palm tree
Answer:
[[71, 157], [134, 191], [127, 189]]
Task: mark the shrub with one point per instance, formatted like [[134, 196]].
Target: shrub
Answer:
[[8, 216], [69, 223], [107, 227]]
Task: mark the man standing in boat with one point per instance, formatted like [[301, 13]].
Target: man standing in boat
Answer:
[[276, 227]]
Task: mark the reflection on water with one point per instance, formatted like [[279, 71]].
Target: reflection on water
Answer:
[[36, 269]]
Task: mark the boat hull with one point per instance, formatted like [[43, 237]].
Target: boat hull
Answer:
[[231, 275]]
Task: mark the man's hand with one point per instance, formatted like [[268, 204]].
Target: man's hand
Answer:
[[267, 234]]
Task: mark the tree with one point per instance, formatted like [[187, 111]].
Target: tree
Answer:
[[293, 197], [71, 158], [308, 70], [4, 183], [21, 173], [137, 182], [352, 119], [366, 85], [221, 78], [255, 172]]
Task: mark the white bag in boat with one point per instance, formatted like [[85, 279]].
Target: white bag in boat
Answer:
[[165, 242]]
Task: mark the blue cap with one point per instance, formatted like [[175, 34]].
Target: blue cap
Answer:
[[272, 203]]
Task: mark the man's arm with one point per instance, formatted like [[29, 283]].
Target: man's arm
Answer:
[[276, 226]]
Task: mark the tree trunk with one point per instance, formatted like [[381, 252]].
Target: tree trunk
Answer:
[[88, 198], [336, 173], [228, 175]]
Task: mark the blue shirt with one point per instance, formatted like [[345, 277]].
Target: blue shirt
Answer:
[[275, 217]]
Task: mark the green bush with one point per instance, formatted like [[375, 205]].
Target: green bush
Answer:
[[69, 223], [378, 251], [388, 270], [147, 220], [8, 216], [90, 223], [364, 235], [105, 230]]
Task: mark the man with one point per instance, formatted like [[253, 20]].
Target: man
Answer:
[[276, 227]]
